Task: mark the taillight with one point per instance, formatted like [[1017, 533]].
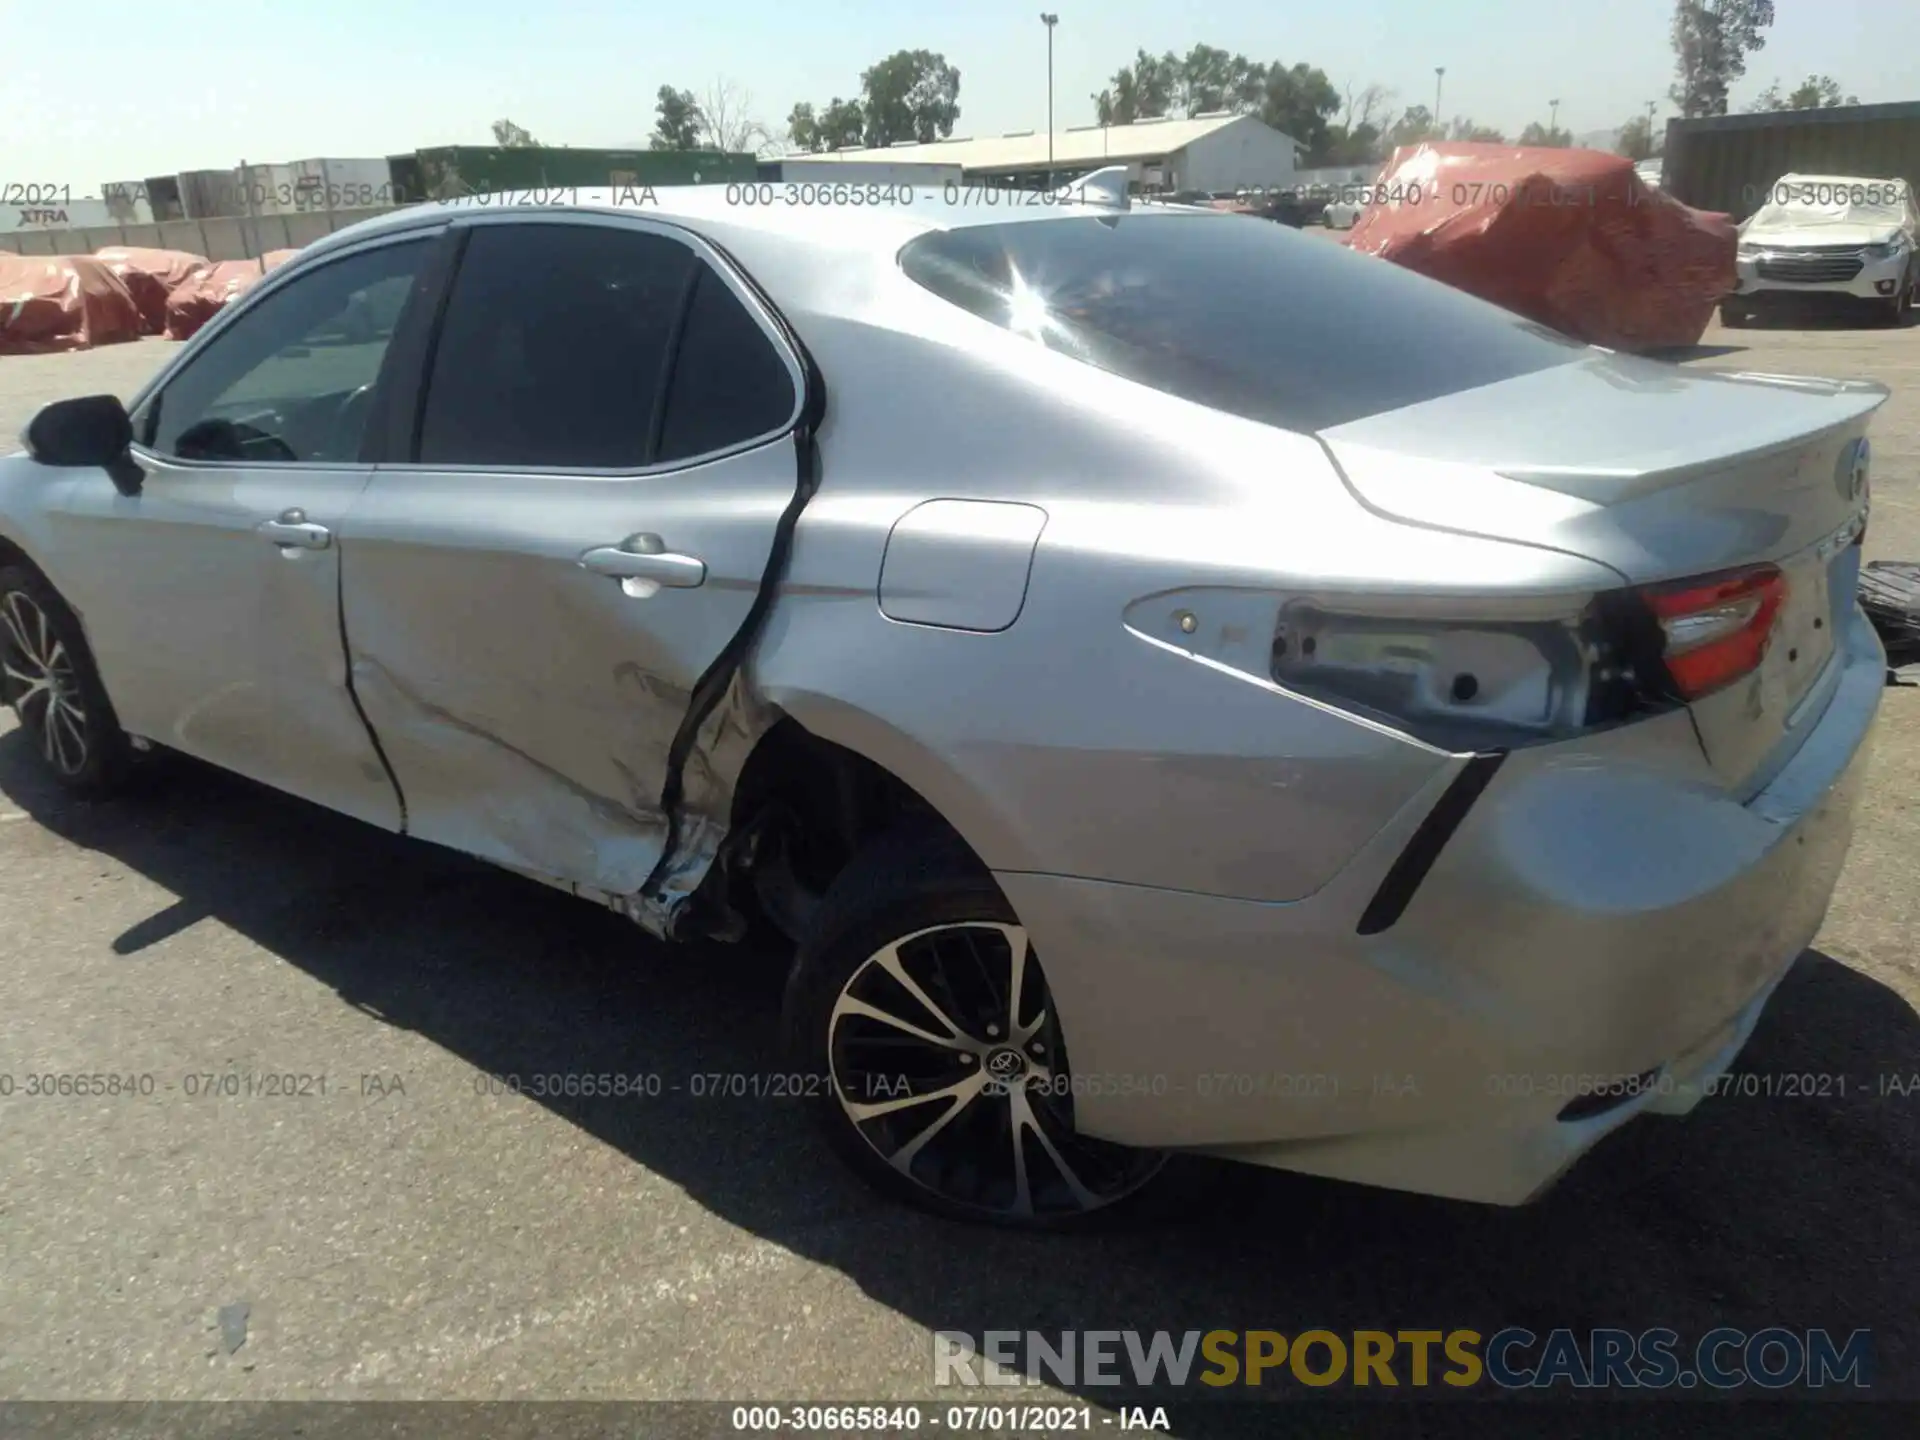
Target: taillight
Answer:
[[1717, 629], [1494, 677]]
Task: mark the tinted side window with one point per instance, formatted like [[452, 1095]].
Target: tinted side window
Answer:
[[554, 347], [287, 380], [1234, 313], [729, 383]]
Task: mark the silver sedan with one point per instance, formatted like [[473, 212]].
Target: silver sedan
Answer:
[[1180, 685]]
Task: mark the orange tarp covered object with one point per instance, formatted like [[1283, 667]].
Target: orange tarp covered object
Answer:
[[150, 276], [1570, 238], [199, 298], [62, 302]]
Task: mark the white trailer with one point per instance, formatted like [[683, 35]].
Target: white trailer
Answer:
[[315, 187], [31, 209]]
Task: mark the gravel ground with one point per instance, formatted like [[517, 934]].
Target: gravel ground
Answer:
[[406, 1236]]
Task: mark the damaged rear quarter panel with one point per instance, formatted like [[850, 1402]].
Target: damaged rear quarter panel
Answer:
[[1067, 743]]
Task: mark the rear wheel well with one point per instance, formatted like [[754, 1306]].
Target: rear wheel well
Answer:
[[803, 809]]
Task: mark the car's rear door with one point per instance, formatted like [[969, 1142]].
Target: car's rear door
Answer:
[[212, 597], [601, 461]]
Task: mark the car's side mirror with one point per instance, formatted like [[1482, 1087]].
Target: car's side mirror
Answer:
[[91, 430]]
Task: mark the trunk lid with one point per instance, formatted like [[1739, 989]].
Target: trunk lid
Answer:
[[1662, 475]]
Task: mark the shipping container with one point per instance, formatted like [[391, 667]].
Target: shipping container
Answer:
[[1730, 162], [803, 171], [163, 197], [206, 194], [449, 171], [127, 203], [315, 187]]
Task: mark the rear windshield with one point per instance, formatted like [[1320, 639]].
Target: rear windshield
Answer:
[[1242, 315]]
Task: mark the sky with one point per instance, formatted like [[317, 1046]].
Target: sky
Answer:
[[128, 91]]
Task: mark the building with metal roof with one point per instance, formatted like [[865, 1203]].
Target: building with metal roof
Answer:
[[1213, 152]]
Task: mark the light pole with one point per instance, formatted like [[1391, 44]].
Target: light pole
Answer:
[[1553, 118], [1048, 19], [1439, 73]]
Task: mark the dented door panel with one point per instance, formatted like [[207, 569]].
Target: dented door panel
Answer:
[[526, 702]]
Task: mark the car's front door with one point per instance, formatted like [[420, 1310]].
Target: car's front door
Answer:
[[211, 598], [600, 463]]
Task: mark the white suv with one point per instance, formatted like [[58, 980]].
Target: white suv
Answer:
[[1830, 235]]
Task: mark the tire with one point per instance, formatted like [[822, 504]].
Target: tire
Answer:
[[917, 905], [50, 681], [1734, 317]]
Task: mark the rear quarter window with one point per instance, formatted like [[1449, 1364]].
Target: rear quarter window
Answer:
[[1235, 313]]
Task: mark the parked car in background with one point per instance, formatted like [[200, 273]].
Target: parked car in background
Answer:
[[1651, 171], [1282, 205], [1343, 208], [1180, 684], [1842, 237]]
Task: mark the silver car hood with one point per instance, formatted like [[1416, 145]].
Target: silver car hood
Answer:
[[1652, 470]]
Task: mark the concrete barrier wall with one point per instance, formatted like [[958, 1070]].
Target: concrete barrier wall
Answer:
[[223, 238]]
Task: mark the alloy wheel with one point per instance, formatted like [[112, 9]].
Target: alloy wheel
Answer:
[[41, 682], [946, 1057]]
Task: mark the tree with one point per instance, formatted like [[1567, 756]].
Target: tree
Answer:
[[1141, 91], [1414, 125], [1355, 139], [1711, 42], [725, 122], [842, 123], [1538, 134], [803, 128], [845, 123], [680, 124], [1816, 92], [1299, 101], [910, 95], [1465, 129], [1210, 79], [510, 136], [1635, 140]]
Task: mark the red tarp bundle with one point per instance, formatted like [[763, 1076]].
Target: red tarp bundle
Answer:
[[62, 302], [1570, 238], [150, 276], [199, 298]]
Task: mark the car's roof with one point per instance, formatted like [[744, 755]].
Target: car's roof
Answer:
[[884, 217]]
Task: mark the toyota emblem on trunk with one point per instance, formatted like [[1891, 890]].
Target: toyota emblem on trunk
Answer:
[[1854, 478]]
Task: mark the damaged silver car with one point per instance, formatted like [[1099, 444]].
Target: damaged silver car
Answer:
[[1181, 686]]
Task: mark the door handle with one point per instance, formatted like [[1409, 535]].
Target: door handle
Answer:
[[646, 557], [295, 530]]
